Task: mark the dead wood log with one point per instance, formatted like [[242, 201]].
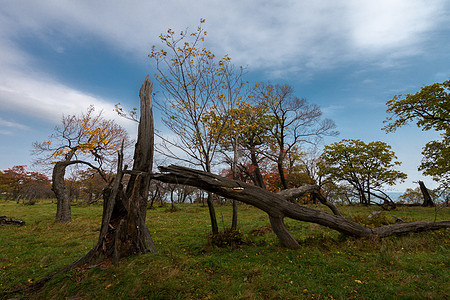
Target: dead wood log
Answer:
[[278, 207], [8, 221]]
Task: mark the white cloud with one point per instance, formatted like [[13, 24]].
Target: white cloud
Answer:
[[388, 25], [267, 35], [332, 110]]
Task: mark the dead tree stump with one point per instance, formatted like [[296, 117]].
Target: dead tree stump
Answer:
[[427, 201], [123, 231]]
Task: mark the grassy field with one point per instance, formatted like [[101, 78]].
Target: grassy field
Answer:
[[327, 266]]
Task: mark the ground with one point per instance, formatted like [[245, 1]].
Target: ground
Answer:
[[327, 266]]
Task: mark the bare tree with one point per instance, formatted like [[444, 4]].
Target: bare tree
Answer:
[[294, 122]]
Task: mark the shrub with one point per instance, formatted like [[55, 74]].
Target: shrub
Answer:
[[228, 237], [375, 219]]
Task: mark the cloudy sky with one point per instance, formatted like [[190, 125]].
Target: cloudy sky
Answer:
[[348, 56]]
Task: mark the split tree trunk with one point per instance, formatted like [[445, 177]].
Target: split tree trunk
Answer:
[[278, 207], [123, 231]]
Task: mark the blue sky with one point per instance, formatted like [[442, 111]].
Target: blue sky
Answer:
[[347, 56]]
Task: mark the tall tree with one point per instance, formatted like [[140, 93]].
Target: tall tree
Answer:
[[366, 167], [295, 122], [194, 83], [86, 139], [430, 110]]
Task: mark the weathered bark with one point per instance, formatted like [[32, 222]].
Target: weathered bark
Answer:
[[427, 201], [293, 194], [212, 214], [282, 232], [278, 207], [281, 172], [123, 231]]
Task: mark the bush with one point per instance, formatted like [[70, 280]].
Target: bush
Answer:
[[375, 219], [228, 237]]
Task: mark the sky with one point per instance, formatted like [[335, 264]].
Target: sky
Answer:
[[347, 56]]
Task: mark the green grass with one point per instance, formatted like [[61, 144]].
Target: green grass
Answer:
[[327, 266]]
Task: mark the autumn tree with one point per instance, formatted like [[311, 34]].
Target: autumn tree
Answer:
[[194, 84], [18, 183], [430, 110], [367, 168], [239, 141], [86, 139], [253, 139], [414, 196], [294, 122]]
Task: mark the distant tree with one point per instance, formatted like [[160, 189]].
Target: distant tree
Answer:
[[87, 139], [430, 109], [412, 196], [92, 184], [294, 122], [195, 83], [294, 171], [17, 184], [12, 181], [185, 193], [365, 167], [337, 192]]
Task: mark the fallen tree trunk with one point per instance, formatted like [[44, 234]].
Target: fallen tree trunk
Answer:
[[278, 206], [314, 190]]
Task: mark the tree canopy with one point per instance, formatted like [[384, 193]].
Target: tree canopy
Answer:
[[195, 84], [430, 109], [18, 183], [294, 122], [365, 167]]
